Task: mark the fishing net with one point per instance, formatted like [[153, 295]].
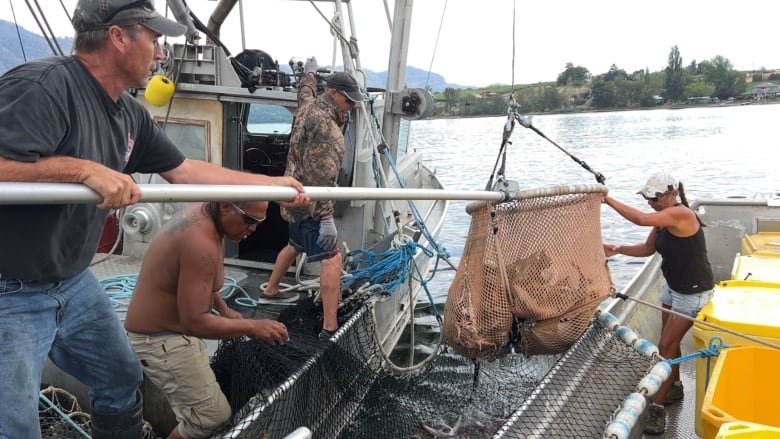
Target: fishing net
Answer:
[[61, 416], [532, 273], [345, 391], [306, 382]]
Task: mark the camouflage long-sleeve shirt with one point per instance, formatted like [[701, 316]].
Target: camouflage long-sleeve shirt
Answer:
[[316, 148]]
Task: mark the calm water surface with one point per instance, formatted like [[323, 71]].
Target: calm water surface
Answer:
[[717, 151]]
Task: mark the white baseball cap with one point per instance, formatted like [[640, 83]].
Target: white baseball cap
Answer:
[[659, 184]]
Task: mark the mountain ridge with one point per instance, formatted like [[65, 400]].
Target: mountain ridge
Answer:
[[35, 47]]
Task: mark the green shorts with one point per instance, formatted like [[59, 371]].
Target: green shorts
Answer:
[[179, 366]]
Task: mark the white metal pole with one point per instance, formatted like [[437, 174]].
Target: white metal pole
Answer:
[[70, 193]]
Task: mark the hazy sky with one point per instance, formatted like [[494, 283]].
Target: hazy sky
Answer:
[[475, 44]]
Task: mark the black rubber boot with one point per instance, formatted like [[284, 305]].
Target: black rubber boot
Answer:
[[126, 425]]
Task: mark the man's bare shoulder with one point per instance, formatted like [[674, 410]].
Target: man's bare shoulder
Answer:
[[189, 230], [191, 220]]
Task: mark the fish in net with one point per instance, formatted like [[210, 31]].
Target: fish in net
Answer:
[[532, 273]]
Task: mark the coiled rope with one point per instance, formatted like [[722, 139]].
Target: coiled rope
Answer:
[[119, 289]]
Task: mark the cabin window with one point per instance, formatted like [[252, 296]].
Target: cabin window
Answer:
[[269, 119], [191, 136]]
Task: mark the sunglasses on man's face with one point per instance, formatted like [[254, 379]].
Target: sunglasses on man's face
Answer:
[[248, 219]]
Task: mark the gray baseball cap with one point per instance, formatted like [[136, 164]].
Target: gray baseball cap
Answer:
[[346, 84], [100, 14]]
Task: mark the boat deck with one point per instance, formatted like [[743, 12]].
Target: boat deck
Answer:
[[242, 286], [680, 416], [599, 373]]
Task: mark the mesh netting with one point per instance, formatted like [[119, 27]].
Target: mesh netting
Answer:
[[344, 392], [60, 415], [579, 395], [532, 273], [306, 382]]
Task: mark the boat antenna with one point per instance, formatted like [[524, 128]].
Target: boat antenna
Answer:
[[436, 45]]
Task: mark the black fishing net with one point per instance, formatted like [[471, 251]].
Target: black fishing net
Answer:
[[341, 389], [306, 382], [581, 392]]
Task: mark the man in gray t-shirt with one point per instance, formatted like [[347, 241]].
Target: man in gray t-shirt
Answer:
[[69, 119]]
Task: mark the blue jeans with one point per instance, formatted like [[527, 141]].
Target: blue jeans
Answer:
[[73, 323], [688, 304], [303, 237]]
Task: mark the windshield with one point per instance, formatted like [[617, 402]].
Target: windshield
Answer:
[[269, 119]]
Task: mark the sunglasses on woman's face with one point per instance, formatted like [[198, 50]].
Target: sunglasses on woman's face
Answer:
[[248, 219], [655, 199]]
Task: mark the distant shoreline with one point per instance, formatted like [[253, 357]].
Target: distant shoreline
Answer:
[[608, 110]]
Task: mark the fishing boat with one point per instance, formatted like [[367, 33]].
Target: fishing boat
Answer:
[[237, 110], [240, 116]]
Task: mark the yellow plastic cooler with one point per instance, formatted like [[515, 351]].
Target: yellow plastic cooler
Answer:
[[747, 430], [747, 307], [743, 387], [756, 267], [764, 244]]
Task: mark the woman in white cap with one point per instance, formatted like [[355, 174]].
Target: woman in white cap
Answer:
[[678, 236]]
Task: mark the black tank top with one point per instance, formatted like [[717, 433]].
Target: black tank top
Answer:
[[685, 264]]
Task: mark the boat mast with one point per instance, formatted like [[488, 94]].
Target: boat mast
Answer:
[[396, 71]]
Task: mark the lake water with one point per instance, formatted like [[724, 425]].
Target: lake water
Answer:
[[714, 151]]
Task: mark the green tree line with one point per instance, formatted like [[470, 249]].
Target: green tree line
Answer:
[[576, 89]]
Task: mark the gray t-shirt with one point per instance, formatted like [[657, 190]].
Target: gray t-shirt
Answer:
[[55, 107]]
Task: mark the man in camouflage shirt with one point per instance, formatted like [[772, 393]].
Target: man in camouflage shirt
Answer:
[[315, 156]]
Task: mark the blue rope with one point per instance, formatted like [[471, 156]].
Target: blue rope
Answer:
[[119, 289], [711, 351], [388, 269], [408, 256], [384, 270]]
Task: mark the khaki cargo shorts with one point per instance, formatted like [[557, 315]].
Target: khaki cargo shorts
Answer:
[[179, 366]]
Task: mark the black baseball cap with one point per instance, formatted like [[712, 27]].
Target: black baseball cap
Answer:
[[100, 14], [346, 84]]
